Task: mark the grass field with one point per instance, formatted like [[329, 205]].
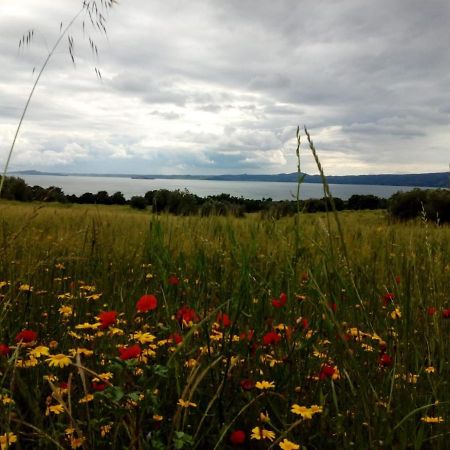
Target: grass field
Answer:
[[122, 329]]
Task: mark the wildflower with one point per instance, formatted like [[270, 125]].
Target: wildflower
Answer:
[[157, 418], [279, 302], [430, 369], [237, 437], [428, 419], [173, 280], [130, 352], [6, 400], [271, 338], [146, 303], [247, 384], [88, 326], [65, 310], [186, 403], [105, 429], [80, 351], [186, 315], [223, 320], [431, 311], [107, 318], [7, 439], [25, 288], [264, 417], [106, 376], [288, 445], [59, 360], [143, 338], [385, 360], [389, 297], [98, 386], [87, 288], [77, 442], [396, 314], [332, 306], [4, 350], [261, 434], [326, 371], [316, 409], [26, 336], [175, 338], [113, 331], [446, 313], [31, 362], [55, 409], [39, 351], [86, 399], [305, 412], [263, 385]]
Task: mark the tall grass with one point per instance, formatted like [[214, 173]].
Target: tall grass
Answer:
[[235, 267]]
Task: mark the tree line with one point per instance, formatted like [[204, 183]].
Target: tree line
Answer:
[[433, 204]]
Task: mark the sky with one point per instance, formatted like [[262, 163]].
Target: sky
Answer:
[[215, 87]]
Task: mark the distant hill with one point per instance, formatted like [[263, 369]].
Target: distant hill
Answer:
[[436, 180]]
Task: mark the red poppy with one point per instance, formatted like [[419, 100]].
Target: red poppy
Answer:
[[186, 314], [305, 323], [130, 352], [26, 336], [326, 371], [98, 386], [385, 360], [174, 280], [446, 313], [107, 318], [279, 302], [247, 335], [4, 350], [176, 338], [431, 311], [332, 306], [146, 303], [398, 279], [223, 319], [247, 384], [389, 297], [237, 437], [271, 338]]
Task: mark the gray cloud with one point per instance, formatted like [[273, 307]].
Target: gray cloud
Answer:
[[212, 86]]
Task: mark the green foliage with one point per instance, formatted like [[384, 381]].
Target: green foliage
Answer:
[[434, 204]]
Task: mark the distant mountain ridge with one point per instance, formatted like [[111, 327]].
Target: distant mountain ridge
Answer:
[[435, 179]]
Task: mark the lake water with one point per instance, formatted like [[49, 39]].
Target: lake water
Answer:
[[78, 185]]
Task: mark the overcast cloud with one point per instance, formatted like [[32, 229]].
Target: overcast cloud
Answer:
[[210, 87]]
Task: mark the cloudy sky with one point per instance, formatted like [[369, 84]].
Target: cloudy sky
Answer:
[[210, 87]]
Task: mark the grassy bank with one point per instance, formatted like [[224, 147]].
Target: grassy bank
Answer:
[[259, 335]]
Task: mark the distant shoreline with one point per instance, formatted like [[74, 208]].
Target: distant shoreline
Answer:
[[432, 180]]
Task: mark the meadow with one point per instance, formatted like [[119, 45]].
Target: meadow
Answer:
[[125, 329]]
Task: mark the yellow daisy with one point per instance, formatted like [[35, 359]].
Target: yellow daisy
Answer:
[[55, 409], [186, 404], [59, 360], [288, 445], [265, 385], [261, 434], [7, 439]]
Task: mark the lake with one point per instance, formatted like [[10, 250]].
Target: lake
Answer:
[[129, 187]]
